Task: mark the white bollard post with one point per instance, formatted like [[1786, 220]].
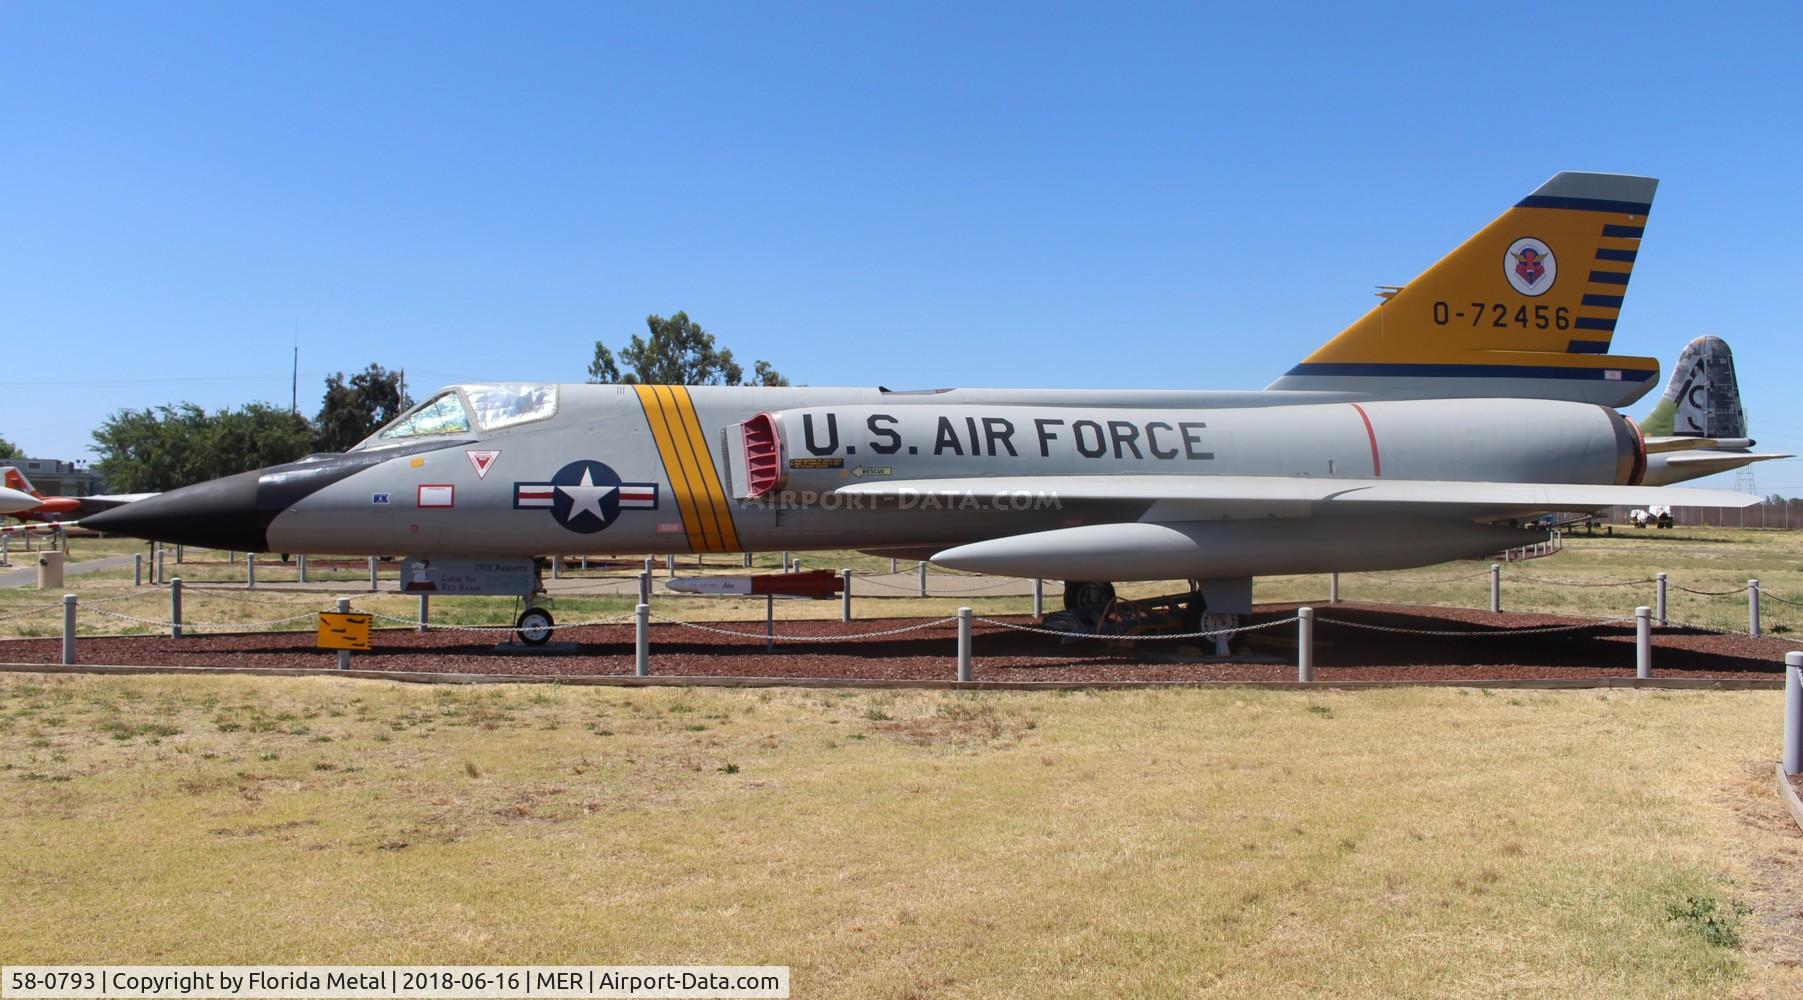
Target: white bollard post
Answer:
[[175, 608], [300, 566], [425, 610], [644, 586], [670, 565], [785, 562], [964, 644], [68, 630], [250, 571], [769, 623], [795, 566], [747, 560], [557, 567], [1753, 607], [584, 564], [641, 650], [344, 605], [181, 553], [137, 569], [1038, 597], [891, 565], [372, 573], [1793, 713], [845, 595], [159, 568], [649, 565], [923, 578], [1659, 598], [1496, 588], [1333, 588], [6, 544], [1305, 645], [1643, 642]]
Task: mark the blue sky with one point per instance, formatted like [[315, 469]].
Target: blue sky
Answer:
[[905, 194]]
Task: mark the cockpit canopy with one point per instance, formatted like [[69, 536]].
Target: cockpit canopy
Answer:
[[463, 409]]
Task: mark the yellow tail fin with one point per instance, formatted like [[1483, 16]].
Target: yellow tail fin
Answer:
[[1526, 308]]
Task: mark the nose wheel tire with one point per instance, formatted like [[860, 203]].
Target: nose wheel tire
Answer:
[[534, 626], [1087, 595]]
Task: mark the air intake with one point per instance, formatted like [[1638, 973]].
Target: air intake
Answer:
[[763, 455]]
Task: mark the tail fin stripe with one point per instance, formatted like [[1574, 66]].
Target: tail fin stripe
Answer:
[[1605, 301], [1594, 323], [1609, 277], [1585, 204], [1625, 256], [1397, 369], [1624, 232], [1588, 347]]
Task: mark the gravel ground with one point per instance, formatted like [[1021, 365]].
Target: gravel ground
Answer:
[[1342, 653]]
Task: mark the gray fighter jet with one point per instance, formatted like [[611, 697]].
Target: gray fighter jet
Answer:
[[1466, 402]]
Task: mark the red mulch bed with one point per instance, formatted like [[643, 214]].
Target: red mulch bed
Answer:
[[1342, 654]]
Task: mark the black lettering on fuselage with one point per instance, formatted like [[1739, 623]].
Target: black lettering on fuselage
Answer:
[[1097, 450], [1126, 436], [832, 434], [998, 429], [892, 444], [1191, 441], [1152, 440], [946, 439], [1046, 435], [971, 423]]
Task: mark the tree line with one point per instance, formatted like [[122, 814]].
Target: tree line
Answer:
[[162, 447]]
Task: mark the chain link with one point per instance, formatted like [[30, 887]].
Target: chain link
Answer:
[[803, 638], [1423, 579], [1580, 583], [1711, 593], [37, 609], [1763, 595], [206, 625], [1141, 638], [437, 627], [1473, 633]]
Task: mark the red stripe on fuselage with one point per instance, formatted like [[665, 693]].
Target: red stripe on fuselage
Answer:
[[1377, 463]]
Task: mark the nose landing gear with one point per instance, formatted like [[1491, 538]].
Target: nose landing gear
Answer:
[[534, 626]]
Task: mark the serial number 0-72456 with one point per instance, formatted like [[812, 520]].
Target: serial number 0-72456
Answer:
[[1498, 315]]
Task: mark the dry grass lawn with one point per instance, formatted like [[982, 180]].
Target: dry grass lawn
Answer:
[[1160, 843]]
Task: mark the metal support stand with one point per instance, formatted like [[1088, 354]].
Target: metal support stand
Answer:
[[785, 562], [300, 565], [641, 650], [670, 566], [175, 608], [159, 568], [1643, 642], [1305, 645], [747, 560], [923, 578], [1753, 607], [845, 595], [1659, 598], [372, 573], [1038, 598], [68, 630], [344, 605], [137, 569], [181, 553], [1333, 588], [891, 565], [1496, 588], [644, 586], [1793, 713], [963, 643], [425, 610], [557, 567], [769, 623], [250, 571]]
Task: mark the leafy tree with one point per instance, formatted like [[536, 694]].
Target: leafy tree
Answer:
[[678, 352], [149, 450], [356, 409], [10, 450]]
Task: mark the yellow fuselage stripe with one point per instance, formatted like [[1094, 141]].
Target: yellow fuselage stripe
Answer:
[[706, 516]]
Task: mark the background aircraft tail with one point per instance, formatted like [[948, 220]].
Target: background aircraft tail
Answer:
[[1526, 308], [1702, 399], [15, 480]]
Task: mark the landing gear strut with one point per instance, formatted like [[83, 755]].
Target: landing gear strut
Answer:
[[1087, 595]]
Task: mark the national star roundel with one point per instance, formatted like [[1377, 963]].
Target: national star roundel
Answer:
[[585, 496]]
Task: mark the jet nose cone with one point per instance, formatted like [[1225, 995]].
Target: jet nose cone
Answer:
[[218, 514]]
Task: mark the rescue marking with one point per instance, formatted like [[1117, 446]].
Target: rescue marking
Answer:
[[1377, 464], [482, 461]]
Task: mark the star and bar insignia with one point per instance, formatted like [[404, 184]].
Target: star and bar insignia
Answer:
[[585, 496]]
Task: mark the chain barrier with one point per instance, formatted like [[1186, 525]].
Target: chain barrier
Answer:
[[1764, 595], [34, 610], [1422, 579], [803, 638], [438, 627], [1472, 633], [246, 626], [1643, 581], [1141, 638], [1711, 593]]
